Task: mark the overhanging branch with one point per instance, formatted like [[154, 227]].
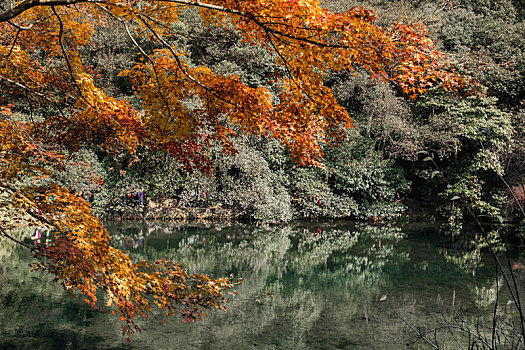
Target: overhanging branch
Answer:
[[28, 4], [253, 18]]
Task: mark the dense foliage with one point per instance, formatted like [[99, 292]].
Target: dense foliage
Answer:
[[475, 139], [105, 102]]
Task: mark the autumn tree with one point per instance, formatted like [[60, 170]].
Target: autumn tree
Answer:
[[50, 108]]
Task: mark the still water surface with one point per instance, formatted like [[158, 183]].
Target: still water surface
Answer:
[[335, 285]]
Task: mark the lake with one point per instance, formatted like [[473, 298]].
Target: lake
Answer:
[[329, 285]]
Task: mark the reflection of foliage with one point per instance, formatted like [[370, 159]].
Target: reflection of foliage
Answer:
[[338, 256], [360, 255], [8, 248], [385, 232], [289, 299], [488, 295], [380, 251], [29, 301], [315, 248], [283, 271], [503, 329], [471, 257], [302, 310]]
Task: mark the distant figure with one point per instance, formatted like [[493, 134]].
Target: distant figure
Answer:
[[141, 198], [36, 236]]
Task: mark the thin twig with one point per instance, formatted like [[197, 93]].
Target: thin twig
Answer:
[[416, 330], [452, 333], [153, 65], [495, 310], [64, 52]]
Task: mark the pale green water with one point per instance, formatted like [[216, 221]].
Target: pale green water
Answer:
[[300, 290]]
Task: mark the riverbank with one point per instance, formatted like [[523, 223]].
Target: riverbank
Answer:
[[169, 209]]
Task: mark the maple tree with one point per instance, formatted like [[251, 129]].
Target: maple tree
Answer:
[[42, 73]]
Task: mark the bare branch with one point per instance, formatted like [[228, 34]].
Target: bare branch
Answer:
[[64, 52], [28, 4]]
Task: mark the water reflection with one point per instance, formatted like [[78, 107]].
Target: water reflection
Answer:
[[308, 286]]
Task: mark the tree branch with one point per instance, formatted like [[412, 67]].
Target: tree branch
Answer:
[[254, 19], [180, 65], [29, 4], [33, 249]]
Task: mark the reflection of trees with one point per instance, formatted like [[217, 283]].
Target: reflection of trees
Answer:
[[301, 289], [495, 323], [486, 296], [467, 253], [289, 276], [315, 249], [270, 254], [359, 255], [7, 248]]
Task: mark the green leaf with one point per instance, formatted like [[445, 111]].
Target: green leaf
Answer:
[[426, 159], [454, 198]]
